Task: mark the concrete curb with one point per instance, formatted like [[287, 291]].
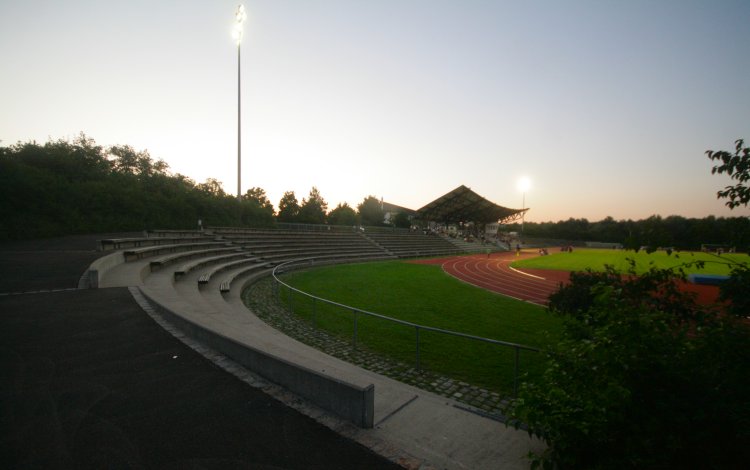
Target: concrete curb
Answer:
[[355, 403]]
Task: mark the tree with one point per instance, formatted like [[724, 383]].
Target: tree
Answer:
[[371, 212], [642, 378], [401, 220], [313, 209], [342, 214], [258, 197], [87, 189], [213, 187], [288, 208], [737, 166], [125, 159], [257, 209]]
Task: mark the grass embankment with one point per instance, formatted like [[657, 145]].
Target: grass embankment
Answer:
[[580, 259], [425, 295]]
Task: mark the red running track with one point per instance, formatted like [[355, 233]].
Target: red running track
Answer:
[[532, 285], [495, 274]]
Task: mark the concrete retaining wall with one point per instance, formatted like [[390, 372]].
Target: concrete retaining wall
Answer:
[[92, 277], [351, 402]]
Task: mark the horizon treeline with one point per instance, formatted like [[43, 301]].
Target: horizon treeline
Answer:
[[656, 231], [66, 188]]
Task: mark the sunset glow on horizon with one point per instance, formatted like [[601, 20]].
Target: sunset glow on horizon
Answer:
[[609, 106]]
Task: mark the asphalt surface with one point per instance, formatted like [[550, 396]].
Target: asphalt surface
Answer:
[[88, 380]]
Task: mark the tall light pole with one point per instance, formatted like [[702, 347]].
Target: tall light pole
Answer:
[[524, 184], [240, 17]]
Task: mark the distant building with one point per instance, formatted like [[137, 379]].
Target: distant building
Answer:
[[390, 211]]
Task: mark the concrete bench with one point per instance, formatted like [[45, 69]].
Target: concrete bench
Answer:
[[203, 262], [186, 255], [226, 284], [140, 253], [205, 278], [120, 243], [174, 233]]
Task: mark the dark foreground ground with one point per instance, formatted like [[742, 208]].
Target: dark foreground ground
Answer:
[[88, 380]]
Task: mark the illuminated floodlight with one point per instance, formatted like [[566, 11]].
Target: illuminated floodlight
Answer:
[[240, 16], [524, 184]]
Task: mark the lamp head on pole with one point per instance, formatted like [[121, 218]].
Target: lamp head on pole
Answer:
[[240, 17], [524, 184]]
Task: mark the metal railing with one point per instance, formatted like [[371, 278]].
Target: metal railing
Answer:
[[309, 262]]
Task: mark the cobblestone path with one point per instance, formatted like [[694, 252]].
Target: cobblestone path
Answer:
[[261, 299]]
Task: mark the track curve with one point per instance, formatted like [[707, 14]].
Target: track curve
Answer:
[[495, 274]]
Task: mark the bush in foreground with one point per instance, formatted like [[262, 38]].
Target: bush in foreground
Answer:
[[643, 378]]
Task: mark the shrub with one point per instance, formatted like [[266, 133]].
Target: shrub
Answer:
[[643, 378]]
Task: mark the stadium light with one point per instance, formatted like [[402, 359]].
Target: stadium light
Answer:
[[240, 17], [524, 184]]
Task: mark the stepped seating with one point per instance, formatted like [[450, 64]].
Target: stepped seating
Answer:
[[257, 270], [199, 286], [176, 233], [406, 245], [206, 276], [281, 245], [187, 255], [472, 247], [140, 253], [207, 261], [120, 243]]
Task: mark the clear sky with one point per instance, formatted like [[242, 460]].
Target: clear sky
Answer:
[[607, 106]]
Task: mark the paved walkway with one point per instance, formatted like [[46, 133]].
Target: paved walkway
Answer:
[[89, 380]]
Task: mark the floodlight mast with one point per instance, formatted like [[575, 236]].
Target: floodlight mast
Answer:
[[240, 17]]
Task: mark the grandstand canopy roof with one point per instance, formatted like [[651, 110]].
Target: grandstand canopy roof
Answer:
[[464, 205]]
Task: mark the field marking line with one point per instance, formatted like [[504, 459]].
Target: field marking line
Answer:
[[526, 274], [508, 290]]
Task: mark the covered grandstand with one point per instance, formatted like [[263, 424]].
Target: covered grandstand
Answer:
[[462, 205]]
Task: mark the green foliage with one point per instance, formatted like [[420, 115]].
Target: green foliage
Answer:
[[313, 209], [257, 208], [371, 212], [63, 187], [288, 208], [643, 378], [212, 187], [401, 220], [737, 166], [672, 231], [736, 290], [342, 214]]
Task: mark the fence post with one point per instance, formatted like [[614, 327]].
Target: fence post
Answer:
[[291, 310], [314, 313], [355, 328], [416, 328], [515, 373]]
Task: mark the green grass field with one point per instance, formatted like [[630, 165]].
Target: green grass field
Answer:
[[424, 294], [581, 258]]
